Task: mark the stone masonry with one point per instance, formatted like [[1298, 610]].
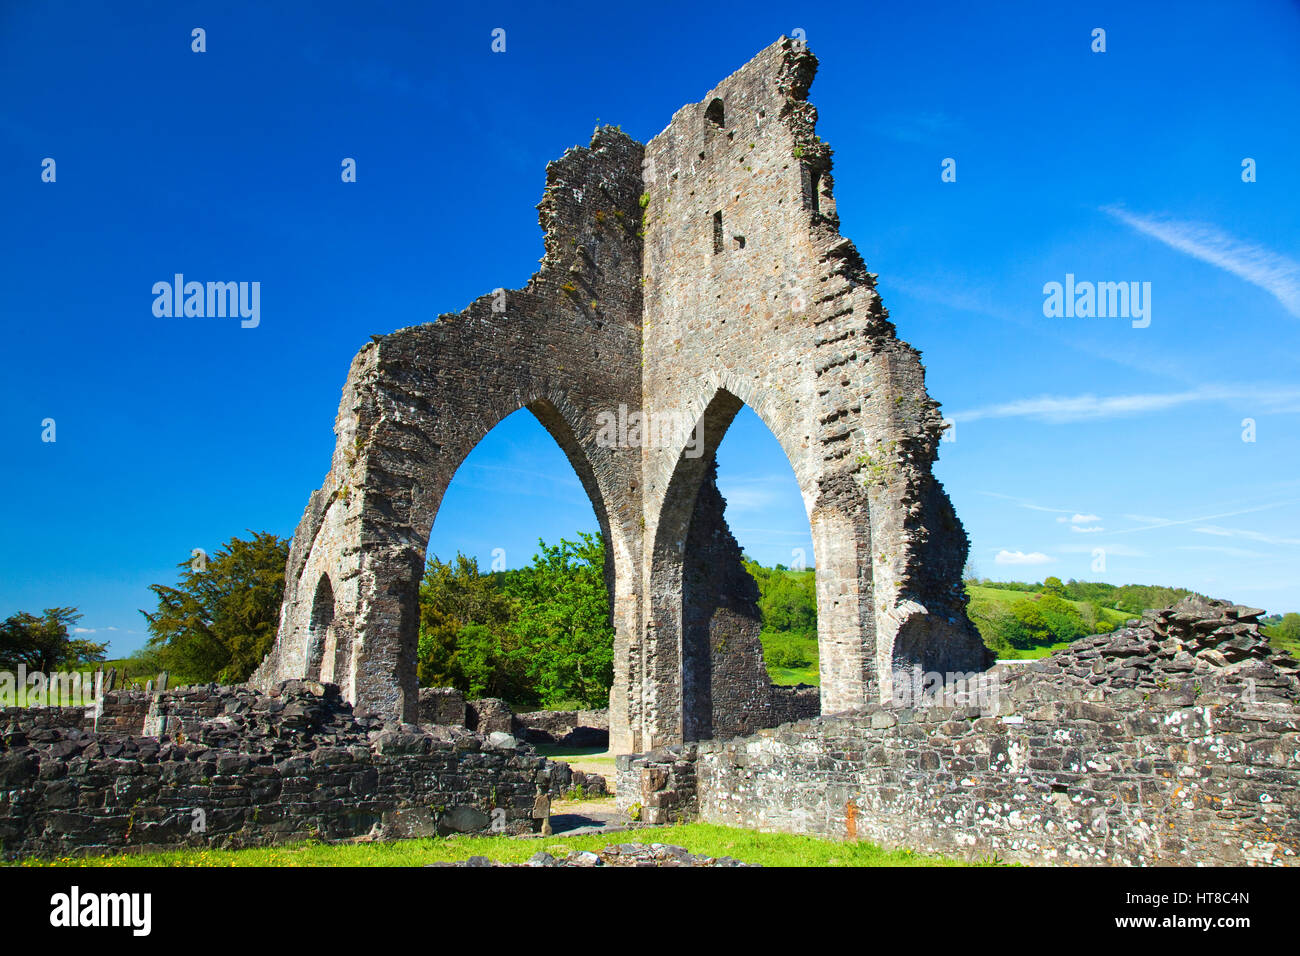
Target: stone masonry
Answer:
[[682, 279], [1175, 741], [232, 767]]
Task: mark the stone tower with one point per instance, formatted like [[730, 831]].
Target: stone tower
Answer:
[[684, 278]]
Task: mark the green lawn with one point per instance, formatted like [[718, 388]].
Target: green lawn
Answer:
[[748, 846]]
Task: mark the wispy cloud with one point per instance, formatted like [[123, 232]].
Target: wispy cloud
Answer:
[[1064, 409], [1026, 503], [756, 494], [1276, 274], [1248, 535], [1020, 557], [1230, 552], [1089, 529], [920, 127], [1150, 523]]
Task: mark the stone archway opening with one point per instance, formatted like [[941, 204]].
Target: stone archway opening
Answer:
[[515, 490], [765, 512], [705, 614], [321, 636]]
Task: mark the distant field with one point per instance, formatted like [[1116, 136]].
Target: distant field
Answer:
[[1002, 596], [806, 647]]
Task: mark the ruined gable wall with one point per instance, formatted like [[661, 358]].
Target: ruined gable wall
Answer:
[[753, 296], [418, 400]]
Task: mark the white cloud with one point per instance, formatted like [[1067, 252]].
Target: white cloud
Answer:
[[1064, 409], [1079, 519], [1019, 557], [1276, 274], [1087, 530]]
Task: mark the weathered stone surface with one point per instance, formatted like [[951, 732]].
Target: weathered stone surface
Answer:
[[237, 767], [681, 280], [1163, 753], [443, 705]]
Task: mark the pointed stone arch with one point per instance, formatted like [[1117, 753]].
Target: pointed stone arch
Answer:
[[639, 305]]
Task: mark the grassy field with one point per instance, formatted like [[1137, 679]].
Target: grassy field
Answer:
[[748, 846], [1004, 599], [1008, 598]]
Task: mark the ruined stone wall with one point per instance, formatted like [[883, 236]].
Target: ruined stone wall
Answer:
[[417, 401], [789, 704], [120, 712], [260, 769], [681, 280], [1176, 742], [753, 297]]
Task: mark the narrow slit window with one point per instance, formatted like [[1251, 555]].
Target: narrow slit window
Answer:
[[717, 232], [812, 185]]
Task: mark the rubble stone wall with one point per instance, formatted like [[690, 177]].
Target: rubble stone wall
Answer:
[[1172, 742], [235, 767]]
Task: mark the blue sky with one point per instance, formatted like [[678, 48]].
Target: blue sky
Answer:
[[1072, 433]]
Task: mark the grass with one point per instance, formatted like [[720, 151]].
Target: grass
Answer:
[[748, 846]]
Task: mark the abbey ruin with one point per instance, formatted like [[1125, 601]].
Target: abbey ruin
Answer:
[[682, 278]]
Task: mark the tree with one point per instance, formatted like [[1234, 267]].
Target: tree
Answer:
[[562, 622], [1054, 587], [535, 635], [43, 644], [1029, 625], [1286, 634], [464, 632], [221, 619]]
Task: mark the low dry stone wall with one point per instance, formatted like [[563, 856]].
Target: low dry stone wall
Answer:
[[1175, 741], [800, 702], [443, 706], [569, 728], [120, 712], [235, 767], [446, 706]]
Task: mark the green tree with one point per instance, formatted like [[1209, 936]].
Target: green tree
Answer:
[[788, 599], [220, 620], [1064, 622], [1286, 634], [562, 622], [45, 643], [1029, 625], [1054, 587], [465, 638]]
